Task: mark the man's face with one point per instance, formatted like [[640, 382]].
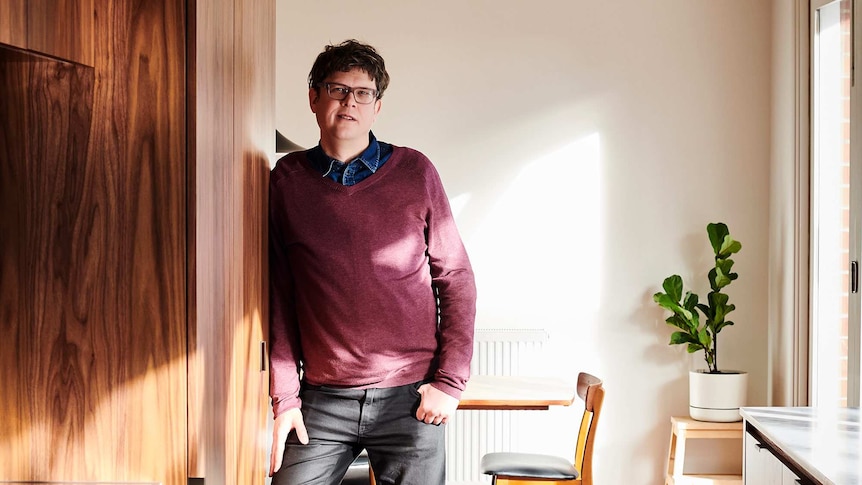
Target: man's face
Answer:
[[345, 120]]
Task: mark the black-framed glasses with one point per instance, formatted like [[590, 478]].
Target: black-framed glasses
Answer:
[[339, 91]]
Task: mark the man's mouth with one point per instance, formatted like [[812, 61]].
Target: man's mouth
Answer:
[[347, 117]]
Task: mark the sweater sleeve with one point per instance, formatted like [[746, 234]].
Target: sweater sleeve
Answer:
[[455, 287], [284, 346]]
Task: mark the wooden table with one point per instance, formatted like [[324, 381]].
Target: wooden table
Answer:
[[514, 392]]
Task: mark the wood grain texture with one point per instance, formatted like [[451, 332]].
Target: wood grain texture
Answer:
[[14, 77], [216, 252], [255, 79], [93, 270], [139, 140], [13, 23], [234, 86], [62, 29], [97, 262], [48, 104]]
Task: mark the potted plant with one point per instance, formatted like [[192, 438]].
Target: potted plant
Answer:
[[714, 394]]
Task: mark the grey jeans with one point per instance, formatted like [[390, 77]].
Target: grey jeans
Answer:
[[341, 422]]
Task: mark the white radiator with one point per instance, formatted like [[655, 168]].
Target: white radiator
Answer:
[[471, 434]]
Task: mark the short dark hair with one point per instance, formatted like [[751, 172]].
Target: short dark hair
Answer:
[[350, 54]]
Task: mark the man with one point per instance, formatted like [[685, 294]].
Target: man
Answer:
[[373, 298]]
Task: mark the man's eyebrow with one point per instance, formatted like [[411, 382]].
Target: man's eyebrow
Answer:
[[353, 87]]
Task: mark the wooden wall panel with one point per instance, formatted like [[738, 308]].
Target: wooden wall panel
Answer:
[[133, 287], [216, 251], [47, 103], [254, 130], [13, 23], [62, 29], [14, 78], [139, 140], [233, 89], [93, 256]]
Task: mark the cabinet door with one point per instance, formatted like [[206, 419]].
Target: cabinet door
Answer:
[[789, 478], [65, 30], [93, 238], [760, 466]]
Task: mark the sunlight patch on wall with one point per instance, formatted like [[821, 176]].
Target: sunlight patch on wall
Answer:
[[458, 203], [537, 255]]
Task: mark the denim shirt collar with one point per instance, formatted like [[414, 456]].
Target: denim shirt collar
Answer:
[[325, 164]]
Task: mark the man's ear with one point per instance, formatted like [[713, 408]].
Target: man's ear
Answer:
[[377, 105], [313, 96]]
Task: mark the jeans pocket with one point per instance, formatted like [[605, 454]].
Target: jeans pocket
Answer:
[[414, 388]]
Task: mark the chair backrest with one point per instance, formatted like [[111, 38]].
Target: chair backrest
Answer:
[[590, 390]]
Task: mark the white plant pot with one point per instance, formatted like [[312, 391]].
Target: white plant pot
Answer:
[[717, 397]]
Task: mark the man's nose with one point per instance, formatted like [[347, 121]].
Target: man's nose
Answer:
[[349, 100]]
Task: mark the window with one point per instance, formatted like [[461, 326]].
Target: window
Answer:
[[831, 310]]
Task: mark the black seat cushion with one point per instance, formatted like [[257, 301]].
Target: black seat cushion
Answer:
[[528, 465]]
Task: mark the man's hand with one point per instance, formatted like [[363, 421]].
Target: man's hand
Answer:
[[436, 406], [284, 423]]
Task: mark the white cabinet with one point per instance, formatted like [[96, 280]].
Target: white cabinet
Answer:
[[761, 467], [790, 478], [819, 446]]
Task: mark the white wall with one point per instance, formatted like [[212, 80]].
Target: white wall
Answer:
[[585, 146]]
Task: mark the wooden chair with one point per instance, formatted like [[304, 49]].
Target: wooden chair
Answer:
[[529, 468]]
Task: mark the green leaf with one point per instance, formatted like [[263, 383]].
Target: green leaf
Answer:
[[724, 267], [673, 287], [704, 339], [717, 299], [690, 320], [718, 279], [728, 247], [707, 311], [723, 324], [682, 338], [665, 301], [690, 301], [717, 232], [686, 310], [678, 322]]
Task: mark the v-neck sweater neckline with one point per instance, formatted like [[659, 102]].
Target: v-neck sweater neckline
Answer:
[[394, 159]]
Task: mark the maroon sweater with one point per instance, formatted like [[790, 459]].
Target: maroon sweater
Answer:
[[370, 283]]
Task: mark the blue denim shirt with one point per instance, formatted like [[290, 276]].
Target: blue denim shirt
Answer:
[[368, 162]]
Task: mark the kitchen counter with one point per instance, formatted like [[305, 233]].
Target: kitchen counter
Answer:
[[821, 443]]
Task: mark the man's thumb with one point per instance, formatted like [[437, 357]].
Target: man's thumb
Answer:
[[302, 434]]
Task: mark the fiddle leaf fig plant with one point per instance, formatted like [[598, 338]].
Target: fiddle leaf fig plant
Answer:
[[686, 308]]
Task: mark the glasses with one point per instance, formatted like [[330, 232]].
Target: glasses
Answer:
[[338, 92]]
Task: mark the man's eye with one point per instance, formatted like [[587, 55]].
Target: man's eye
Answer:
[[340, 90], [364, 92]]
